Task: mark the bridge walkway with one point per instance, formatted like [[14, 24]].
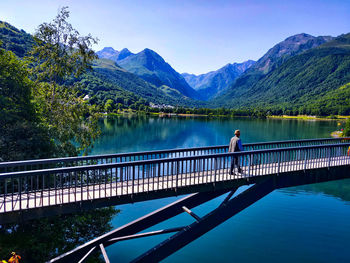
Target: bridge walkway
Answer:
[[148, 179]]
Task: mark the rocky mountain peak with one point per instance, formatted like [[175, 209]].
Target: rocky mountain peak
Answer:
[[291, 46], [124, 53]]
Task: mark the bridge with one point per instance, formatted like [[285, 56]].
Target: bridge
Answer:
[[39, 188]]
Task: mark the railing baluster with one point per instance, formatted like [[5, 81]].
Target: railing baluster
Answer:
[[81, 185], [21, 190], [121, 179], [132, 180], [61, 184], [111, 183], [177, 175], [75, 186], [215, 169], [93, 183], [99, 182], [182, 170], [55, 186], [42, 190], [224, 171]]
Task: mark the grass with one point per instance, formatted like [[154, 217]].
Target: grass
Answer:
[[337, 134], [307, 117]]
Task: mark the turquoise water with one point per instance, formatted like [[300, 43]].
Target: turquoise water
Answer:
[[300, 224]]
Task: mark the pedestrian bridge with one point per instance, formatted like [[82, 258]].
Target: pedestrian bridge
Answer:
[[38, 188]]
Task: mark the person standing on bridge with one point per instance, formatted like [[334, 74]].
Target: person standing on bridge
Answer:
[[235, 146]]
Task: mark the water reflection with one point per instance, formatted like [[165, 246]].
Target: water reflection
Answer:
[[137, 133], [142, 133], [338, 189], [289, 225]]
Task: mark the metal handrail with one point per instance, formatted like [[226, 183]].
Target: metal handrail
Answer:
[[155, 161], [83, 183], [147, 155]]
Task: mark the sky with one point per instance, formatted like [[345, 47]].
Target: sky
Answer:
[[193, 36]]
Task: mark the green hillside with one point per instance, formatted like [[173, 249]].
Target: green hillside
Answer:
[[274, 57], [302, 83], [15, 40], [111, 72], [151, 67], [106, 81], [333, 102], [300, 75]]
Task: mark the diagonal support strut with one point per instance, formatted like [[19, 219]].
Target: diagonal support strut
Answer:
[[140, 224], [208, 222]]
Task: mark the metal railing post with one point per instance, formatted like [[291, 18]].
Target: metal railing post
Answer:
[[279, 159], [51, 186]]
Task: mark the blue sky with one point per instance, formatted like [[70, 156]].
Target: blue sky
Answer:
[[192, 36]]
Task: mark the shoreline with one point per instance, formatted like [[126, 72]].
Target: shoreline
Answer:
[[337, 134], [340, 118], [307, 117]]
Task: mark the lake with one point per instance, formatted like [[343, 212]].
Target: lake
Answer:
[[300, 224]]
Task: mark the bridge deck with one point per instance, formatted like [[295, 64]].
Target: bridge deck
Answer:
[[52, 197], [6, 167]]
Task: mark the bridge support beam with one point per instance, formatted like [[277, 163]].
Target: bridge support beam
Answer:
[[264, 184], [140, 224], [208, 222]]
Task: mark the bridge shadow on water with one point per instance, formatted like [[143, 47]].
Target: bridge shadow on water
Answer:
[[338, 189]]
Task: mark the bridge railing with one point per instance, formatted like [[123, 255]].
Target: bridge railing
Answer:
[[38, 164], [30, 189]]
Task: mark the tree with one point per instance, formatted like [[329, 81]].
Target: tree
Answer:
[[21, 135], [59, 54], [41, 240], [54, 120], [61, 51], [109, 106], [346, 131]]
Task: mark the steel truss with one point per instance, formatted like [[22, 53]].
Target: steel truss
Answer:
[[183, 234], [186, 234]]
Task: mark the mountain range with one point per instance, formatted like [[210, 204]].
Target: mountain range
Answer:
[[111, 72], [301, 74], [151, 67], [289, 47], [273, 58], [212, 83], [111, 54], [107, 80], [312, 73]]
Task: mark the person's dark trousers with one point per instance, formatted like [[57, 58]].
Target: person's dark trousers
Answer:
[[234, 163]]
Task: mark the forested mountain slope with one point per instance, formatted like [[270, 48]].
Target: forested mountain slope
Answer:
[[275, 57], [110, 72], [311, 82], [151, 67], [107, 80], [301, 75], [15, 40]]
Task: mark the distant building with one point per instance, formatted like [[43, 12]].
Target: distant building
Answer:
[[162, 106]]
